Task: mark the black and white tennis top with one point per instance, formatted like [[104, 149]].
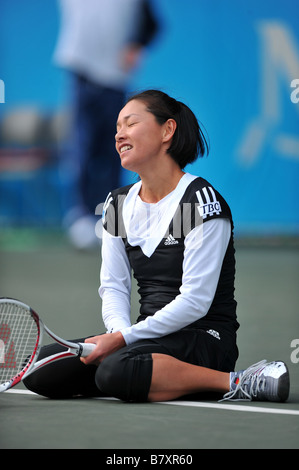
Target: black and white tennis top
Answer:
[[181, 253]]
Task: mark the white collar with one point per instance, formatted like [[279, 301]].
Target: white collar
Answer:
[[167, 205]]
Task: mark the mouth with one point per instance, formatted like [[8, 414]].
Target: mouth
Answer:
[[125, 148]]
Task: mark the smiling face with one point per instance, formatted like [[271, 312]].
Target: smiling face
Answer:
[[140, 140]]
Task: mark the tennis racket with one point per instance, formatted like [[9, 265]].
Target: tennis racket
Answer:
[[21, 335]]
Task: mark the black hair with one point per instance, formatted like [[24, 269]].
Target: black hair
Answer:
[[189, 141]]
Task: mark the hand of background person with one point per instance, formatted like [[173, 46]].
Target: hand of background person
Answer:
[[131, 56]]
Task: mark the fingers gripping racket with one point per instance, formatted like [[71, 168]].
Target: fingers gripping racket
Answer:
[[21, 335]]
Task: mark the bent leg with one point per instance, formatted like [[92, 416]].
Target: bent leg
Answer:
[[184, 363], [65, 378], [143, 377]]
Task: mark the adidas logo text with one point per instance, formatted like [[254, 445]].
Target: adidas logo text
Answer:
[[170, 240], [214, 333]]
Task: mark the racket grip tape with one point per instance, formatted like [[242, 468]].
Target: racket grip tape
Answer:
[[86, 348]]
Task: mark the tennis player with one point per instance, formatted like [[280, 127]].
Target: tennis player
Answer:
[[174, 231]]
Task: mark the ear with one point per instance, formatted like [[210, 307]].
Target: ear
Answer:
[[169, 129]]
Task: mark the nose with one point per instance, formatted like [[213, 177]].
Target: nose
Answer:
[[119, 134]]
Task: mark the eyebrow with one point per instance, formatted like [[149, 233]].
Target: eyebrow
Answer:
[[127, 117]]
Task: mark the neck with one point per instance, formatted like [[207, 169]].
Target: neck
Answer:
[[157, 185]]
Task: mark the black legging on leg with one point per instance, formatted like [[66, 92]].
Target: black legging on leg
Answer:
[[65, 378], [125, 374]]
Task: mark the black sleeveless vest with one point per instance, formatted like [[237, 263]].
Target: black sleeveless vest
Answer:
[[159, 276]]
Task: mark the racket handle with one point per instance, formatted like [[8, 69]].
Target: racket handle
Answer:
[[87, 348]]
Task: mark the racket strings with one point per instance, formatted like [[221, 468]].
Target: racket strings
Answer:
[[19, 335]]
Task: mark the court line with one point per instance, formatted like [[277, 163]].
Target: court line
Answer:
[[195, 404], [225, 406]]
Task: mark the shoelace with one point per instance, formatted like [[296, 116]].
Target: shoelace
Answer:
[[249, 377]]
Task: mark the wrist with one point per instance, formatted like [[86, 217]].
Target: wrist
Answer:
[[119, 339]]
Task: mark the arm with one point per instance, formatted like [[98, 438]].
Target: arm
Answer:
[[115, 291], [145, 30]]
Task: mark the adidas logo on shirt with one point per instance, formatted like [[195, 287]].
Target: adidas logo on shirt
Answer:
[[170, 240]]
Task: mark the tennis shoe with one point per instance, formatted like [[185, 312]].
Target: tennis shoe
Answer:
[[264, 381]]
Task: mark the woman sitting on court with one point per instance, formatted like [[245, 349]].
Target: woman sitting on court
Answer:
[[175, 232]]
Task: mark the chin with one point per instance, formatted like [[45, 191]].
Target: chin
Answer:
[[127, 165]]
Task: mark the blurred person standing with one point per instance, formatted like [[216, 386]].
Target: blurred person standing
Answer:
[[100, 44]]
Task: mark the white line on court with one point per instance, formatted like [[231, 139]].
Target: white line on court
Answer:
[[223, 406], [195, 404]]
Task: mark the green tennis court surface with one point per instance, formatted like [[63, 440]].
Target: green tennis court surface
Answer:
[[62, 284]]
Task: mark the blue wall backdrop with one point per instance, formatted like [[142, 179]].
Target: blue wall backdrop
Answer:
[[234, 62]]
